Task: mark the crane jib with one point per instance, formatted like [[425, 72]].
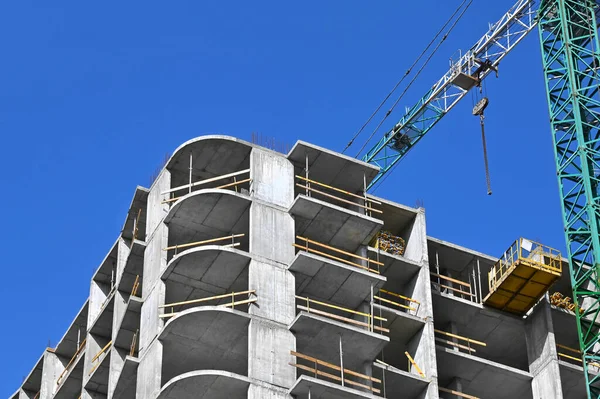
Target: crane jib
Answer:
[[467, 72]]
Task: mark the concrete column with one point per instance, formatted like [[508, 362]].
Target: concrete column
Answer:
[[542, 355], [52, 367], [271, 238], [117, 360], [149, 372], [155, 261], [422, 346]]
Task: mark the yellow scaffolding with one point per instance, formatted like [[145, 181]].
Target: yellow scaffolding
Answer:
[[522, 276]]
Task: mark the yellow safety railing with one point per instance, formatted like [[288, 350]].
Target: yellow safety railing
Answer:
[[231, 304], [308, 248], [459, 290], [68, 367], [411, 362], [408, 306], [366, 202], [136, 285], [97, 357], [231, 237], [310, 308], [234, 184], [577, 359], [133, 343], [456, 393], [527, 252], [136, 226], [467, 341], [341, 377]]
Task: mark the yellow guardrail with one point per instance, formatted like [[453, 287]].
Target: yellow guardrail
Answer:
[[231, 304], [405, 298], [311, 309], [343, 372], [204, 182], [367, 203], [528, 252], [306, 248]]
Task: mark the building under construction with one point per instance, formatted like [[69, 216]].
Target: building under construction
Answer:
[[243, 272]]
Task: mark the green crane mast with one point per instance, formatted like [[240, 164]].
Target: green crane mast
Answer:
[[571, 57], [568, 32]]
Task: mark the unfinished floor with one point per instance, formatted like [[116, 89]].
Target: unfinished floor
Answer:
[[246, 273]]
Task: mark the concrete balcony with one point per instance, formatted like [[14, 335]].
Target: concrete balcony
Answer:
[[480, 377], [400, 383], [503, 334], [133, 270], [324, 380], [396, 268], [125, 386], [206, 214], [209, 384], [207, 270], [334, 275], [128, 327], [309, 387], [319, 335], [205, 338], [331, 224], [96, 379], [69, 382]]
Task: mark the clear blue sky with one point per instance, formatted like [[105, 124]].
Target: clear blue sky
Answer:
[[93, 96]]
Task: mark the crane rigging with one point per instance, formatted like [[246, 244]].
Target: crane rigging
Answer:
[[570, 47]]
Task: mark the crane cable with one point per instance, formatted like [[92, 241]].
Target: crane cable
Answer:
[[416, 76], [408, 71]]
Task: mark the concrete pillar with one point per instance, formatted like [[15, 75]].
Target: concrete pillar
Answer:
[[422, 346], [271, 238], [155, 261], [149, 372], [542, 354], [52, 367]]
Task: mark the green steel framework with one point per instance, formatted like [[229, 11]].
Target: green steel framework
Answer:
[[570, 54]]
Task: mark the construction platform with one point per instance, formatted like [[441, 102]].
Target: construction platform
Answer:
[[522, 276]]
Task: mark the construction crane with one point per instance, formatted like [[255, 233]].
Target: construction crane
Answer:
[[568, 31]]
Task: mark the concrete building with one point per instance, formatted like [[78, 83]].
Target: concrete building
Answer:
[[246, 273]]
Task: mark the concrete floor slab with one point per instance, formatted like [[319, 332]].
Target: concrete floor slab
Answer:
[[319, 336], [138, 203], [97, 381], [399, 383], [402, 326], [208, 384], [68, 344], [332, 168], [482, 378], [207, 337], [129, 324], [125, 386], [213, 265], [33, 381], [134, 266], [207, 214], [395, 268], [213, 155], [321, 278], [331, 224], [321, 389], [71, 382], [504, 334], [102, 326]]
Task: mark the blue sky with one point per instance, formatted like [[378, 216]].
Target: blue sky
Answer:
[[93, 97]]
